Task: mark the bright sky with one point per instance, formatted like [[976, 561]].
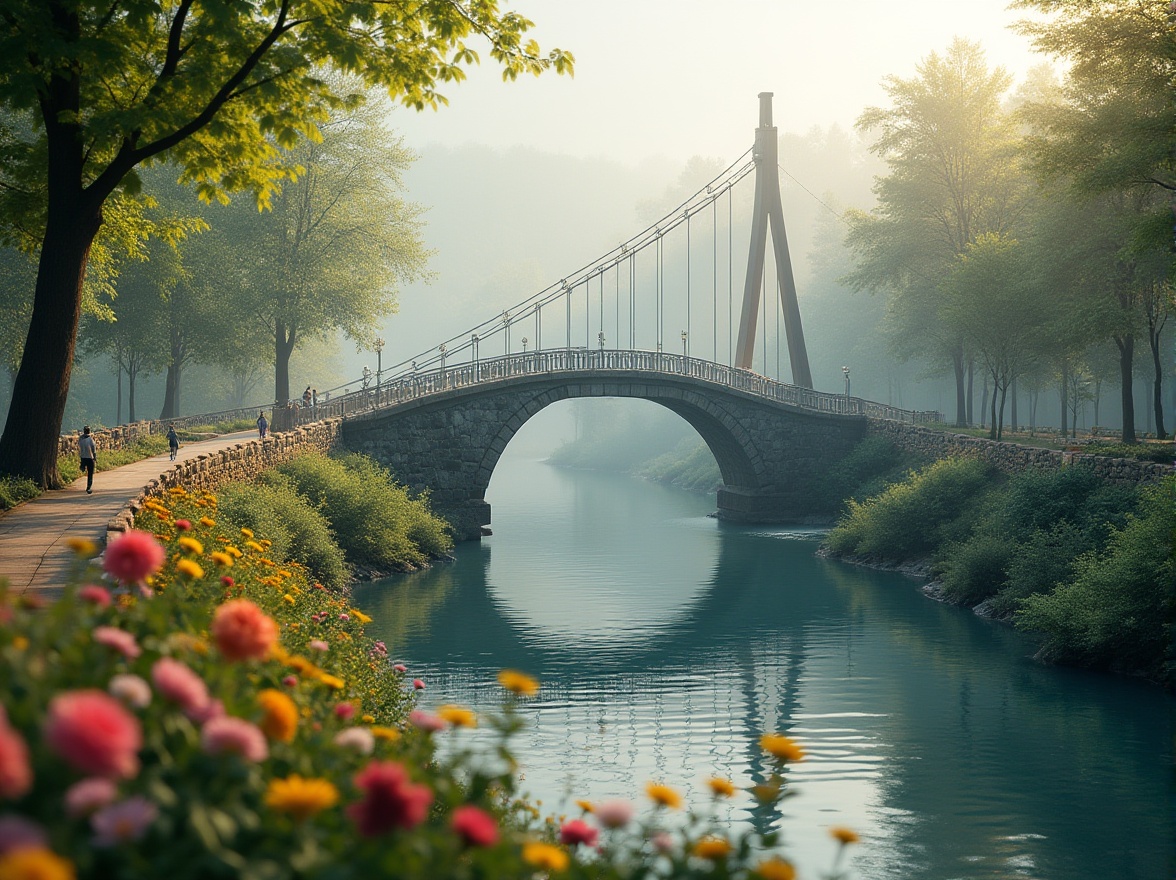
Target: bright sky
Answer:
[[677, 78]]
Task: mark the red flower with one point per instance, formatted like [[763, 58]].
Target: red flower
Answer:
[[94, 733], [182, 525], [133, 557], [390, 800], [99, 596], [418, 684], [16, 773], [227, 581], [243, 631], [474, 826], [179, 684], [578, 831]]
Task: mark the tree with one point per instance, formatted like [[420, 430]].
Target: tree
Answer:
[[221, 87], [950, 149]]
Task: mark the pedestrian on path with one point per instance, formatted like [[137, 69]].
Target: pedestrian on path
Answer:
[[173, 441], [262, 425], [88, 453]]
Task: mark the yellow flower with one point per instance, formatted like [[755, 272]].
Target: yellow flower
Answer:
[[233, 551], [766, 792], [20, 643], [713, 848], [280, 718], [191, 545], [360, 616], [83, 547], [207, 521], [266, 543], [188, 568], [389, 734], [721, 787], [288, 599], [248, 533], [283, 573], [775, 869], [458, 716], [843, 835], [518, 682], [586, 806], [224, 560], [663, 795], [545, 856], [177, 491], [35, 863], [781, 747], [332, 681], [253, 545], [299, 797], [368, 719]]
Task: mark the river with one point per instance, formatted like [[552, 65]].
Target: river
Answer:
[[667, 642]]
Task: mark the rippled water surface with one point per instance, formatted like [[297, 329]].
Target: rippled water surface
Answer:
[[667, 642]]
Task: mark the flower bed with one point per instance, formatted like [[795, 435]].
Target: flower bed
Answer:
[[196, 709]]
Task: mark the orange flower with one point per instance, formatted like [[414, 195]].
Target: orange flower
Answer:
[[545, 856], [775, 869], [458, 716], [781, 747], [518, 682], [280, 719], [663, 795], [243, 631], [721, 787], [843, 835], [712, 848]]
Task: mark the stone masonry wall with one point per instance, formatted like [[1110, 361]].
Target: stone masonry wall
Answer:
[[1012, 457], [244, 461], [109, 439]]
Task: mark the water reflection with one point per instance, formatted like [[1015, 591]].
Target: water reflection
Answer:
[[667, 643]]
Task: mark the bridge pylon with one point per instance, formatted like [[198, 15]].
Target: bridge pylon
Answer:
[[768, 208]]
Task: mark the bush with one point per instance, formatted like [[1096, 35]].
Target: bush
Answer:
[[871, 467], [975, 570], [909, 520], [297, 529], [14, 490], [690, 465], [1161, 453], [1041, 562], [376, 520], [1117, 610]]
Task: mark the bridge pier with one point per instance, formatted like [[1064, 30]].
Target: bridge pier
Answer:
[[739, 504]]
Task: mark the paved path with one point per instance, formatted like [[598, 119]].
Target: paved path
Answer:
[[33, 554]]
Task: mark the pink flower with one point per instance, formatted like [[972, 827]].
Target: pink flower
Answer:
[[118, 639], [133, 556], [576, 832], [183, 525], [390, 800], [614, 814], [124, 822], [211, 709], [17, 833], [243, 631], [358, 739], [344, 711], [345, 616], [83, 798], [290, 681], [426, 721], [418, 684], [475, 827], [179, 684], [400, 667], [93, 732], [16, 773], [662, 842], [227, 581], [131, 690], [318, 645], [229, 735], [96, 595]]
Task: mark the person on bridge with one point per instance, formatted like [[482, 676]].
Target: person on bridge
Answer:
[[307, 397], [173, 441], [88, 454], [262, 425]]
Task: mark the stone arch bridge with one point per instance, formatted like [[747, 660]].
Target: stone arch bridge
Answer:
[[444, 431]]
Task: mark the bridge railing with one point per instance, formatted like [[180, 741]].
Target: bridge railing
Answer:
[[414, 385]]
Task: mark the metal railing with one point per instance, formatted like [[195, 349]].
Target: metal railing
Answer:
[[415, 385]]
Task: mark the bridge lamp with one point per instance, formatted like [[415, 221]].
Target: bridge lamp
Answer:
[[845, 373], [600, 339], [525, 340], [685, 335], [441, 348], [474, 340], [379, 347]]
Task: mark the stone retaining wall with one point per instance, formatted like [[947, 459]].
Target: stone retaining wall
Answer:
[[110, 439], [1012, 457], [243, 461]]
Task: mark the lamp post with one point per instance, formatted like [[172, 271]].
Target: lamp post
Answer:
[[685, 335], [379, 346], [845, 373], [525, 340], [441, 348], [506, 330], [600, 339], [474, 340]]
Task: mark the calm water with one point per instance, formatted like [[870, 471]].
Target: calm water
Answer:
[[667, 643]]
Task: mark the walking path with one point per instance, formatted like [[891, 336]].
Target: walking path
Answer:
[[34, 557]]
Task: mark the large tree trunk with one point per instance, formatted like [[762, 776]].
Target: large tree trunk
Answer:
[[132, 375], [957, 362], [1158, 386], [118, 371], [1126, 346], [971, 373], [170, 385], [1064, 394], [1000, 420], [283, 347], [28, 447], [992, 432], [1012, 406]]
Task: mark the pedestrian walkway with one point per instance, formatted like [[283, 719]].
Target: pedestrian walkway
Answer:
[[34, 557]]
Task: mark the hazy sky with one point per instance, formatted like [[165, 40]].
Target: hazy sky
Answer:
[[677, 78]]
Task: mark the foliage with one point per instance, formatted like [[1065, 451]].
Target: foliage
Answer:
[[1161, 453], [326, 774], [375, 519], [297, 529], [15, 490], [973, 570], [909, 520], [689, 465], [871, 466], [1117, 609]]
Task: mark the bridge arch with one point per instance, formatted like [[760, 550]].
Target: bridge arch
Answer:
[[449, 441]]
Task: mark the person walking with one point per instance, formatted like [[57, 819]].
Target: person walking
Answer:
[[262, 425], [173, 441], [306, 397], [88, 453]]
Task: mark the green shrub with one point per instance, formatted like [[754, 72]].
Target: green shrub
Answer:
[[689, 465], [1157, 452], [871, 467], [910, 520], [375, 519], [1041, 562], [975, 570], [14, 490], [297, 529], [1116, 611]]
